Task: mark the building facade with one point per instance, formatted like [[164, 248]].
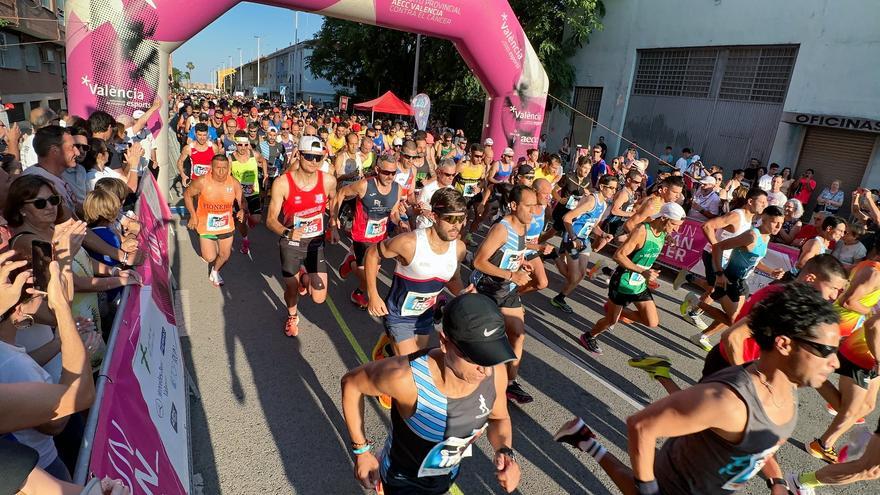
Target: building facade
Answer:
[[32, 57], [791, 82], [284, 73]]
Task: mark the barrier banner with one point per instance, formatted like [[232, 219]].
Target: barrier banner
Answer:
[[142, 432], [778, 256], [684, 248]]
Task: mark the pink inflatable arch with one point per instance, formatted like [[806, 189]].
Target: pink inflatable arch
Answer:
[[117, 52]]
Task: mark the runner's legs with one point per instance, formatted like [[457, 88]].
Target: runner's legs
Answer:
[[514, 326]]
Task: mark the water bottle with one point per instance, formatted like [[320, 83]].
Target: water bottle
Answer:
[[856, 442]]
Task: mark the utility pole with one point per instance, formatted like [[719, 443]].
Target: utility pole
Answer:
[[240, 72], [258, 59], [416, 68], [295, 64]]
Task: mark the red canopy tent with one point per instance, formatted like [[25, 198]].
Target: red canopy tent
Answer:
[[387, 103]]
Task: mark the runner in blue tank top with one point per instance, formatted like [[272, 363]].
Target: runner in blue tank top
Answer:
[[499, 270], [536, 250], [444, 399]]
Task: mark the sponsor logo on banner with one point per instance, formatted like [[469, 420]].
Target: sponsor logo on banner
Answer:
[[514, 51], [114, 94], [684, 248]]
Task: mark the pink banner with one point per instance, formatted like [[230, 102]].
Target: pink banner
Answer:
[[142, 431], [684, 248]]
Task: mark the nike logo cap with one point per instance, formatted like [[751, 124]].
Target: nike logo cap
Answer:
[[474, 324]]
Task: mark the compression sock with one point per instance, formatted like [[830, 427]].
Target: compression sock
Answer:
[[593, 447]]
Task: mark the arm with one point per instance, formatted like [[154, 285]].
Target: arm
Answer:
[[496, 237], [641, 214], [865, 468], [280, 190], [455, 285], [617, 206], [184, 154], [401, 247], [357, 189], [145, 118], [789, 236], [500, 435], [587, 203], [862, 284], [189, 193], [633, 242], [716, 223]]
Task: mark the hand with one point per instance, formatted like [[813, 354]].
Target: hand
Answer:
[[721, 281], [185, 180], [129, 245], [521, 277], [134, 153], [84, 324], [13, 134], [578, 244], [130, 227], [778, 273], [366, 470], [334, 235], [377, 306], [192, 223], [240, 216], [114, 487], [10, 291], [546, 248], [129, 277], [650, 274], [507, 472], [404, 226], [470, 289], [67, 239], [57, 290], [608, 237], [622, 238]]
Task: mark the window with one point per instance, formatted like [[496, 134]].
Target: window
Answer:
[[10, 56], [55, 105], [36, 104], [48, 56], [675, 72], [758, 74], [16, 113], [32, 58], [47, 4]]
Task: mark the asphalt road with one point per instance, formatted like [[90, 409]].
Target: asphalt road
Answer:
[[268, 419]]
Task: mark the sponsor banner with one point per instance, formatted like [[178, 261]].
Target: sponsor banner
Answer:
[[421, 105], [142, 432], [684, 249], [343, 103]]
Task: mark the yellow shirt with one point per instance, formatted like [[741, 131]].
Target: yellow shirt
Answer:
[[335, 143]]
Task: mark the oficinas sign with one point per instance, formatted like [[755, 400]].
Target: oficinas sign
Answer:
[[839, 122]]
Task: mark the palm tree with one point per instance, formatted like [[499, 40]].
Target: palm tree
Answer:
[[189, 68], [176, 76]]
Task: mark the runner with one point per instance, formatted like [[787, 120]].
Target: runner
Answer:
[[406, 177], [444, 399], [445, 174], [470, 183], [716, 230], [667, 191], [499, 270], [746, 252], [245, 167], [567, 193], [856, 394], [624, 201], [296, 213], [707, 453], [865, 468], [535, 251], [575, 248], [501, 172], [349, 164], [629, 283], [833, 230], [376, 199], [212, 217], [201, 153]]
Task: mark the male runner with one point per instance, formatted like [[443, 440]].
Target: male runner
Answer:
[[856, 394], [296, 213], [668, 191], [717, 229], [245, 167], [201, 154], [833, 230], [629, 283], [579, 223], [567, 193], [376, 200], [746, 252], [445, 174], [444, 399], [349, 164], [535, 250], [406, 177], [212, 218], [470, 183], [500, 172], [707, 453], [624, 201], [499, 270]]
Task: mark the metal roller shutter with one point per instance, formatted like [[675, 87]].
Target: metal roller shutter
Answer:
[[836, 154]]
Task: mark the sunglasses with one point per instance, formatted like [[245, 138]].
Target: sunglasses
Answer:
[[815, 348], [530, 177], [83, 147], [447, 174], [477, 156], [453, 219], [243, 144], [411, 157], [312, 157], [386, 172], [285, 128], [41, 203]]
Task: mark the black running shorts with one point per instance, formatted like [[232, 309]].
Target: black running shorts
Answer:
[[306, 252]]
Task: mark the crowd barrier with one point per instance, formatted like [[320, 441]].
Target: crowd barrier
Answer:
[[138, 429], [684, 249]]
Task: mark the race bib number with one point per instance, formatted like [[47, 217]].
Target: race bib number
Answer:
[[311, 226], [531, 239], [469, 190], [447, 455], [572, 202], [247, 189], [511, 260], [637, 278], [216, 222], [375, 228], [200, 170], [416, 303]]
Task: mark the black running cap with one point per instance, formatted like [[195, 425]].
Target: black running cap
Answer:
[[474, 324]]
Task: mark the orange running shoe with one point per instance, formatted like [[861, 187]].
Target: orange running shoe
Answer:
[[291, 328]]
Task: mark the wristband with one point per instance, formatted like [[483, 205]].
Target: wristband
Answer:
[[648, 487], [363, 449], [771, 482], [124, 259]]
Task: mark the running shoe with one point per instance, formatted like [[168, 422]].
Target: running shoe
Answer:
[[245, 246], [291, 328], [359, 299], [345, 268], [302, 277], [817, 450], [595, 268], [574, 432], [656, 366], [622, 319], [218, 280], [384, 401], [383, 348], [833, 412], [680, 278], [517, 394], [690, 300], [213, 279], [590, 344], [561, 305], [795, 487], [697, 320], [701, 340]]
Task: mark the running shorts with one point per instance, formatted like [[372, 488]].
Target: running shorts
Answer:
[[505, 299], [559, 211], [396, 483], [360, 251], [621, 299], [735, 290], [407, 329], [306, 252], [715, 362], [860, 376], [567, 245], [255, 205], [217, 237]]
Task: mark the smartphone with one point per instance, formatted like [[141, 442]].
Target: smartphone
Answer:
[[41, 256]]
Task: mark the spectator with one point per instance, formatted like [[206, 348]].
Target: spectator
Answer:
[[765, 181], [542, 144], [95, 163], [684, 162], [774, 195], [851, 250], [598, 167], [565, 153], [787, 180], [667, 156], [810, 230], [56, 152], [726, 192], [830, 199], [803, 187], [751, 172], [791, 223], [705, 204], [738, 198], [76, 177], [602, 145], [40, 117]]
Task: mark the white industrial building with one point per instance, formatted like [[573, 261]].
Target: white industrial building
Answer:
[[787, 81]]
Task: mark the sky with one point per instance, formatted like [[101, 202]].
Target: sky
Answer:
[[236, 29]]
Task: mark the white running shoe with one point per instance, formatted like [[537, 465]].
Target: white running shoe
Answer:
[[680, 278], [701, 340]]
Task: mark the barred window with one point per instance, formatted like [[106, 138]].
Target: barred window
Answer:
[[675, 72], [758, 74]]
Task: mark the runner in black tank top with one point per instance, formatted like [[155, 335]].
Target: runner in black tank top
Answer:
[[567, 194], [707, 453], [443, 401]]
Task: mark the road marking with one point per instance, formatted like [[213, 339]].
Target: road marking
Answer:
[[347, 331]]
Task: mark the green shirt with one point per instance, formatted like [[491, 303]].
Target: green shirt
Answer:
[[632, 282]]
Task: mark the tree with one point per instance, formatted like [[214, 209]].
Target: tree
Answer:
[[176, 76], [374, 60], [189, 68]]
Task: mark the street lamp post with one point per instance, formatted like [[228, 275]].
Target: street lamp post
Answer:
[[258, 59], [240, 72], [416, 68]]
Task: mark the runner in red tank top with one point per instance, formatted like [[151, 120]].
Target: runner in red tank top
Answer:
[[200, 152], [297, 213]]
